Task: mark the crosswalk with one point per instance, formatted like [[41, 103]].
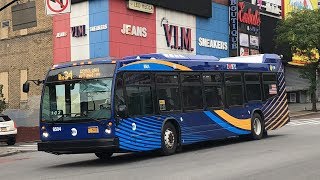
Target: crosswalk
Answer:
[[24, 147], [299, 122]]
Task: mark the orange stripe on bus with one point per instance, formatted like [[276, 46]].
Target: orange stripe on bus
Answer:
[[239, 123]]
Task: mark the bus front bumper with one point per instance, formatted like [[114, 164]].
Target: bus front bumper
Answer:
[[80, 146]]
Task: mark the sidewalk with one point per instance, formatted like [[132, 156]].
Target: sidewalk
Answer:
[[18, 148], [4, 151], [302, 109]]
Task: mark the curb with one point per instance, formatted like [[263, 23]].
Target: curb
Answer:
[[304, 114], [9, 153]]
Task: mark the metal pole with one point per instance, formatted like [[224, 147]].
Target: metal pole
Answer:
[[7, 5]]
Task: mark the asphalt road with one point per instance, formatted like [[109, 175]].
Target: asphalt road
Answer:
[[292, 152]]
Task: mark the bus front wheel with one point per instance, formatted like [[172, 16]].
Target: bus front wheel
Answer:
[[169, 139], [257, 127], [104, 155]]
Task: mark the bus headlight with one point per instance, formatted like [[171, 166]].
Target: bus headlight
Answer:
[[45, 134], [108, 130]]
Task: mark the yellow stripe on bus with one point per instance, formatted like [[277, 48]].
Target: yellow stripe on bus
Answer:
[[170, 64], [239, 123]]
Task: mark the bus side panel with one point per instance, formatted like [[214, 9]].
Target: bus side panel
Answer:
[[276, 110], [140, 134], [209, 125]]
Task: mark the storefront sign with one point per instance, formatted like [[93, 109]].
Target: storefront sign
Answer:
[[200, 8], [139, 6], [99, 27], [248, 16], [61, 34], [214, 44], [132, 30], [245, 23], [233, 20], [79, 31], [185, 37]]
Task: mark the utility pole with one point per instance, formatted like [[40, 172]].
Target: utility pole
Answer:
[[7, 5]]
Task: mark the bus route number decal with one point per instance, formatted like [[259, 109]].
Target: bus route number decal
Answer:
[[66, 75]]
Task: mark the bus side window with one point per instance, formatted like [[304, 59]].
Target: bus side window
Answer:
[[119, 95], [270, 88], [234, 89], [139, 93], [168, 92], [213, 90], [253, 86], [191, 91]]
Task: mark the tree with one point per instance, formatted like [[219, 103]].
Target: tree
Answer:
[[2, 100], [301, 32]]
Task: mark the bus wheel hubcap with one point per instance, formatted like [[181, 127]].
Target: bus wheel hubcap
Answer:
[[169, 138], [257, 126]]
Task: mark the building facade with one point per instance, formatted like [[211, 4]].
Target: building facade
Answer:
[[25, 54], [118, 28]]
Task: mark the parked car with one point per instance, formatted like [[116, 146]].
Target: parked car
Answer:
[[8, 130]]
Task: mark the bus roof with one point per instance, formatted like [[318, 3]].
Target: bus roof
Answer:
[[173, 57], [172, 62], [261, 58]]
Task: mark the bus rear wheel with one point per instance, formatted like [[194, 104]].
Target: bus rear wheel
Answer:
[[104, 155], [257, 127], [169, 139]]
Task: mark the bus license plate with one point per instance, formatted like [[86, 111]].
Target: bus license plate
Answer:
[[3, 129], [93, 130]]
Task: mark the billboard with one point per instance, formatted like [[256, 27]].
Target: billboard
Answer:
[[200, 7], [291, 5], [271, 8]]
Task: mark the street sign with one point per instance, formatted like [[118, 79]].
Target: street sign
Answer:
[[54, 7]]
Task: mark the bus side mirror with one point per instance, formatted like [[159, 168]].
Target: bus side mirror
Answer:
[[122, 111], [26, 87]]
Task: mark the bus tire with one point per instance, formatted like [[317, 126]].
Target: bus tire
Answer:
[[169, 139], [104, 155], [257, 127]]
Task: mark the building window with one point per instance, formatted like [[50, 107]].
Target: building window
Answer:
[[5, 24], [23, 96], [4, 81]]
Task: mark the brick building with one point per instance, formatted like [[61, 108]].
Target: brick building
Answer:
[[25, 54]]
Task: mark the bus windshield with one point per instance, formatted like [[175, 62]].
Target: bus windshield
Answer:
[[82, 100]]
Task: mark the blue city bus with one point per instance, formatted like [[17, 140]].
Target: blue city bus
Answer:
[[159, 102]]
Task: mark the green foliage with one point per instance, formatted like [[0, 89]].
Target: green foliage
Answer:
[[2, 100], [300, 31]]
